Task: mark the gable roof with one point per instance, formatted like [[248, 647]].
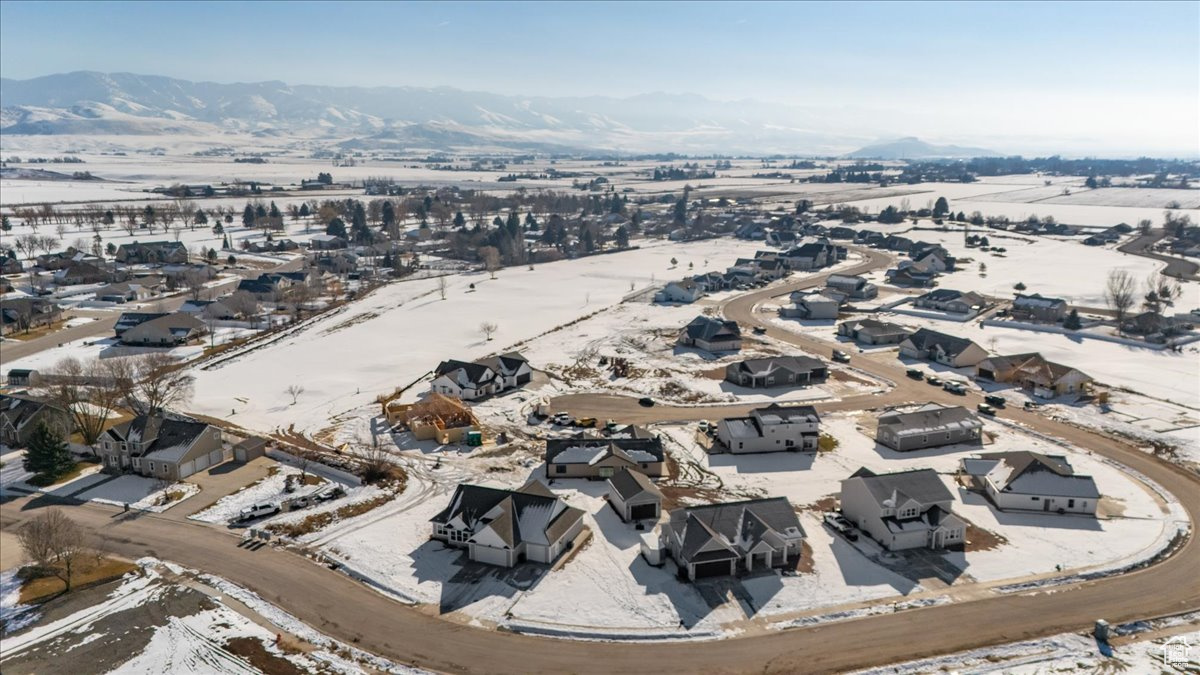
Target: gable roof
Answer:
[[766, 366], [735, 527], [929, 418], [925, 339], [169, 439], [1035, 300], [1033, 366], [876, 327], [708, 329], [893, 489], [593, 450], [629, 484], [515, 516], [1027, 472]]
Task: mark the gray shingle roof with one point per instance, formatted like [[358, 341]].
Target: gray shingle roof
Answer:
[[629, 484], [922, 485]]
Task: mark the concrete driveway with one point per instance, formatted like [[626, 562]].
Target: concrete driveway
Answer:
[[219, 481]]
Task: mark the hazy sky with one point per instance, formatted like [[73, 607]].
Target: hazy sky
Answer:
[[1126, 74]]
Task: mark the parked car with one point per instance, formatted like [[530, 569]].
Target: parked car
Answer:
[[562, 419], [839, 524], [986, 409], [934, 380], [331, 492], [1032, 405], [995, 399], [703, 425], [915, 373], [586, 422], [646, 401], [841, 356], [257, 511], [955, 388], [301, 502]]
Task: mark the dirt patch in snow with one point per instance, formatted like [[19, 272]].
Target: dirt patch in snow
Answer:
[[253, 651], [979, 539]]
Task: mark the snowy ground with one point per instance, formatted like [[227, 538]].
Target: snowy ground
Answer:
[[139, 492], [402, 331], [108, 347], [270, 489]]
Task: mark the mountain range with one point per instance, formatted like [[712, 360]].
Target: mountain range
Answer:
[[413, 118]]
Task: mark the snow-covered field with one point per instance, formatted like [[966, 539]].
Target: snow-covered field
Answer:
[[402, 331], [86, 349]]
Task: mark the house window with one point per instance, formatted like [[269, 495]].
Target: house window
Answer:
[[151, 467], [1035, 498], [560, 468], [1070, 503], [459, 536], [137, 463]]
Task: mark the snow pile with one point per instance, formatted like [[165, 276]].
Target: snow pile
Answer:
[[14, 616], [861, 612]]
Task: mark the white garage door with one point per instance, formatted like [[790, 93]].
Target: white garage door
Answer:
[[491, 556], [215, 457], [186, 469], [201, 462]]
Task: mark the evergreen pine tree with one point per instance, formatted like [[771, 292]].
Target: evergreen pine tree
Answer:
[[248, 216], [48, 454], [1072, 321]]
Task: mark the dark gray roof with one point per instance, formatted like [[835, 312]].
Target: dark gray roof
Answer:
[[472, 502], [796, 364], [738, 526], [929, 418], [629, 484], [128, 320], [620, 446], [164, 433], [709, 329], [925, 339], [923, 485]]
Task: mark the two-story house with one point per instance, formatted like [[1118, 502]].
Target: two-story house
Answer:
[[903, 510], [774, 428]]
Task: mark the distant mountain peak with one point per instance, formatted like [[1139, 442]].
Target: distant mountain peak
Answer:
[[911, 147]]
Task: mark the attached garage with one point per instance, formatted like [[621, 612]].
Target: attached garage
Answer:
[[716, 568], [187, 468], [491, 556], [643, 512], [524, 379]]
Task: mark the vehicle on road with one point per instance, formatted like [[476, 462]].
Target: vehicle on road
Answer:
[[934, 380], [586, 422], [915, 373], [838, 523], [955, 388], [703, 425], [1032, 405], [259, 510], [841, 356], [759, 330], [646, 402], [986, 409], [562, 419], [995, 399], [331, 492]]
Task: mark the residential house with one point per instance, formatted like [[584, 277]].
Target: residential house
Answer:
[[857, 288], [711, 334], [810, 256], [955, 302], [709, 282], [160, 330], [929, 426], [947, 350], [10, 265], [910, 276], [24, 314], [82, 272], [777, 371], [781, 238], [597, 458], [183, 272], [840, 232], [23, 377], [811, 305], [441, 418], [326, 242], [633, 496], [903, 510], [267, 287], [20, 416], [873, 332], [936, 260], [684, 290], [722, 539], [473, 380], [162, 447], [895, 242], [1153, 326], [1031, 481], [129, 291], [774, 428], [508, 527], [51, 262], [218, 310], [152, 253], [1034, 373], [340, 262], [1037, 308]]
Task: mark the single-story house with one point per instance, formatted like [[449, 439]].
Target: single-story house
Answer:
[[723, 539], [508, 527], [929, 426], [903, 510], [1034, 373], [777, 371], [326, 242], [159, 330], [162, 447], [634, 496], [596, 458], [873, 332], [857, 288], [711, 334], [152, 252], [1031, 481], [949, 300], [23, 314]]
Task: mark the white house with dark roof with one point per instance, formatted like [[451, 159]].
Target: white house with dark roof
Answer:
[[775, 428], [684, 290], [873, 332], [1031, 481], [634, 496], [777, 371], [929, 426], [711, 334], [855, 287], [723, 539], [903, 510], [948, 350], [600, 458], [471, 380], [508, 527], [952, 301], [812, 305]]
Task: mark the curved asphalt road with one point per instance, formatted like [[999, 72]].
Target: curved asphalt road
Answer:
[[351, 612]]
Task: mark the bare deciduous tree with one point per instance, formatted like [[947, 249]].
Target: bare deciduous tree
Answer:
[[157, 383], [294, 390], [490, 255], [488, 328], [193, 281], [1119, 293], [89, 391], [56, 543]]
